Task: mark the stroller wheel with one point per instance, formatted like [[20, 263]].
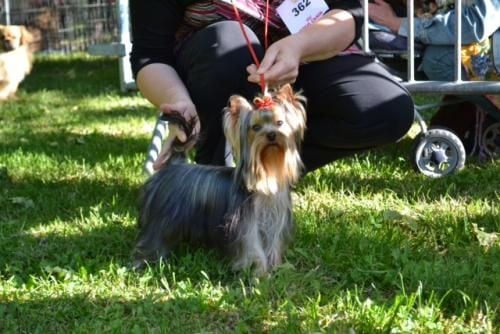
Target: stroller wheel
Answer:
[[491, 140], [438, 152]]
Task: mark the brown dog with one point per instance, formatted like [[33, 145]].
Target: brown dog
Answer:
[[16, 58]]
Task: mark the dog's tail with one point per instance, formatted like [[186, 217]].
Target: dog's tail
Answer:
[[173, 148]]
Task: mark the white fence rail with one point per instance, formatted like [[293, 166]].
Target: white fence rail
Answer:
[[456, 86]]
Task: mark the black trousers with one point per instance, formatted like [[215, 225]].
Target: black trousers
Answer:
[[353, 104]]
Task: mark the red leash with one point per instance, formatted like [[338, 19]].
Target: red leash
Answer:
[[263, 85]]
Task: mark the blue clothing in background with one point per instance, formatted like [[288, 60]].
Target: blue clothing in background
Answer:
[[479, 21]]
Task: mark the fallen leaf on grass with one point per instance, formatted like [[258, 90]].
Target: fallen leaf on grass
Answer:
[[486, 240], [404, 216]]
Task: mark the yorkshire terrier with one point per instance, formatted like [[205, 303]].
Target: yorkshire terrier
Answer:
[[245, 211]]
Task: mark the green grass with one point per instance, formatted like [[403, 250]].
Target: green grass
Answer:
[[378, 248]]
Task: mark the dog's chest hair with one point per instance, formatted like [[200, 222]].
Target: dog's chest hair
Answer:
[[270, 215]]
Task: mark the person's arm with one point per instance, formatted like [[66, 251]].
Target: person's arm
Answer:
[[154, 25], [328, 36], [478, 22], [160, 84]]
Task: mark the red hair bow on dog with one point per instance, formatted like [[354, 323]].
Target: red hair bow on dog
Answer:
[[263, 103]]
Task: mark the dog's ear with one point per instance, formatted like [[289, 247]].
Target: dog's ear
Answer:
[[235, 106], [26, 36], [295, 106], [286, 92]]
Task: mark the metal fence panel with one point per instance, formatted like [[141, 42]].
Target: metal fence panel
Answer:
[[458, 86], [64, 25]]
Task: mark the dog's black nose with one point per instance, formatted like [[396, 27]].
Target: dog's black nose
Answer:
[[271, 136]]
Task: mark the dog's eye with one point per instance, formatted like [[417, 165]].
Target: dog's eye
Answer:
[[279, 123], [256, 127]]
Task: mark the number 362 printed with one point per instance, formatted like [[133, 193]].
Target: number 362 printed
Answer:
[[302, 4]]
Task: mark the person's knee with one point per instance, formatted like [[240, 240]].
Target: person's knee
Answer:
[[232, 53], [400, 113], [229, 32], [407, 117], [220, 49]]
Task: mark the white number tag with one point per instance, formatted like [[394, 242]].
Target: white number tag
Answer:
[[296, 14]]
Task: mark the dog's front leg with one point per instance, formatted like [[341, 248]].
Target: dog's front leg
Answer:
[[252, 251], [275, 254]]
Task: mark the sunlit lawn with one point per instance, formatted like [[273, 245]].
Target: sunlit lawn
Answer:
[[378, 248]]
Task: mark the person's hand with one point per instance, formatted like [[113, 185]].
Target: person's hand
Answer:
[[280, 64], [184, 112], [382, 13]]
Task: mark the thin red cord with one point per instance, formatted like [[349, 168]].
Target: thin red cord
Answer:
[[266, 25], [250, 47]]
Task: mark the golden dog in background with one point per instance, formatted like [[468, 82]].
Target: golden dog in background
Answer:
[[16, 58]]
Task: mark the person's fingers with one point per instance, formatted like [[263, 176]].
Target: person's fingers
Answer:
[[268, 60], [253, 76], [284, 71], [175, 108], [188, 116], [276, 80], [252, 69], [178, 132], [197, 126], [276, 72]]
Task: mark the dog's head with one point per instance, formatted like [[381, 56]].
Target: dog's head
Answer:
[[265, 137], [13, 36]]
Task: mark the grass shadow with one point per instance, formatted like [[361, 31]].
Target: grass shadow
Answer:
[[190, 314], [74, 147], [75, 76], [65, 223]]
